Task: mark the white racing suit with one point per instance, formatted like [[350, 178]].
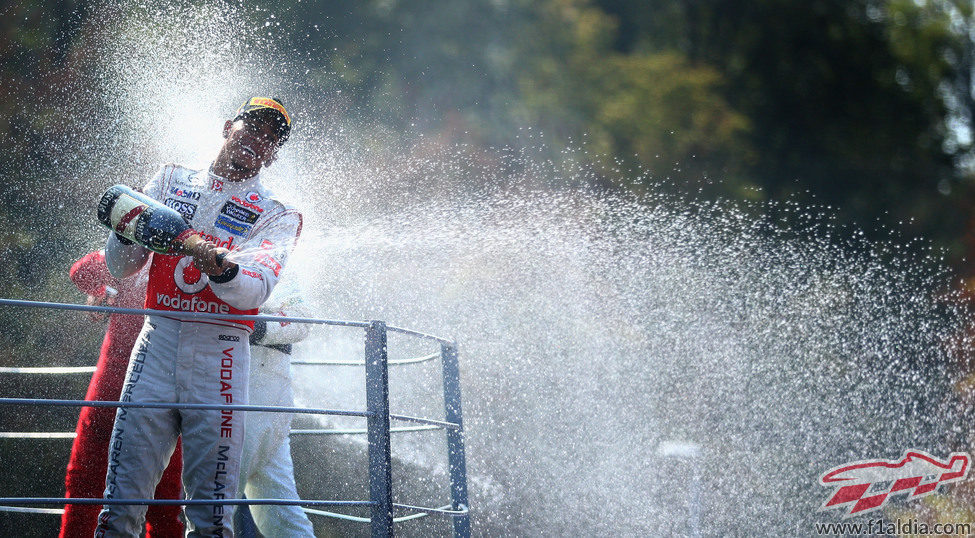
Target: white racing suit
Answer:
[[194, 361], [267, 471]]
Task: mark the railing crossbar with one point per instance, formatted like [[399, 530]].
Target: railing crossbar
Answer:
[[179, 315], [323, 431], [424, 513], [26, 501], [11, 506], [166, 405], [62, 370], [363, 363], [56, 370]]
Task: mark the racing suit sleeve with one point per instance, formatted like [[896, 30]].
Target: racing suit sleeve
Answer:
[[90, 274], [125, 259], [283, 302], [259, 260]]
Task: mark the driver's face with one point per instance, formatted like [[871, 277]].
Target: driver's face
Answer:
[[252, 143]]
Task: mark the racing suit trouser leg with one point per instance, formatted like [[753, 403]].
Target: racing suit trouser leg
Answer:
[[276, 481], [183, 362], [267, 464], [142, 439], [212, 440]]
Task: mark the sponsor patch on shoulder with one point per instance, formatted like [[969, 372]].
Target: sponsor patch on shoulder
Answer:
[[232, 226]]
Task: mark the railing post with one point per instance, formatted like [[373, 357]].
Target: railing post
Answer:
[[455, 438], [377, 403]]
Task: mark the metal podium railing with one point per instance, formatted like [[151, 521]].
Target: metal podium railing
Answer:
[[377, 414]]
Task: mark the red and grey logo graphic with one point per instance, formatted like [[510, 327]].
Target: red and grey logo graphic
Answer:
[[188, 278], [253, 197], [867, 485]]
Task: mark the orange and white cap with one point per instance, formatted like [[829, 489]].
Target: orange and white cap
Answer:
[[276, 113]]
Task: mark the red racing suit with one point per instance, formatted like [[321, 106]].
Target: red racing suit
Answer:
[[89, 452], [194, 361]]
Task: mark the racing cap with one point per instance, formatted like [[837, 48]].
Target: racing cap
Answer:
[[268, 108]]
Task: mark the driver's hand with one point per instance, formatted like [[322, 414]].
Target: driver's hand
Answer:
[[98, 300], [205, 258]]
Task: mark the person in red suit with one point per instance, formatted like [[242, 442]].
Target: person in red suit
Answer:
[[85, 477]]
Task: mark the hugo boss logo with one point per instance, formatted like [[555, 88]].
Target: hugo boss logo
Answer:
[[228, 338], [182, 207]]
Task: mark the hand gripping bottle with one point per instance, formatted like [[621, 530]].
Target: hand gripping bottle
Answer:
[[149, 223]]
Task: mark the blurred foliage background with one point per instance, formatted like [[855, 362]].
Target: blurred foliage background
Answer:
[[864, 106]]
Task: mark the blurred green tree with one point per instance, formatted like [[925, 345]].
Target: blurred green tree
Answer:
[[845, 99], [841, 103]]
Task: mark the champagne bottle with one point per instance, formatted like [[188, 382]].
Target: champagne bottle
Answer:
[[149, 223]]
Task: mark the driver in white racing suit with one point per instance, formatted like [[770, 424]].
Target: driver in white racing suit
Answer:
[[200, 361], [267, 471]]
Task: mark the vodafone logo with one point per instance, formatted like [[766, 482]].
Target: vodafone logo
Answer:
[[191, 304], [249, 204], [188, 278], [253, 197]]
